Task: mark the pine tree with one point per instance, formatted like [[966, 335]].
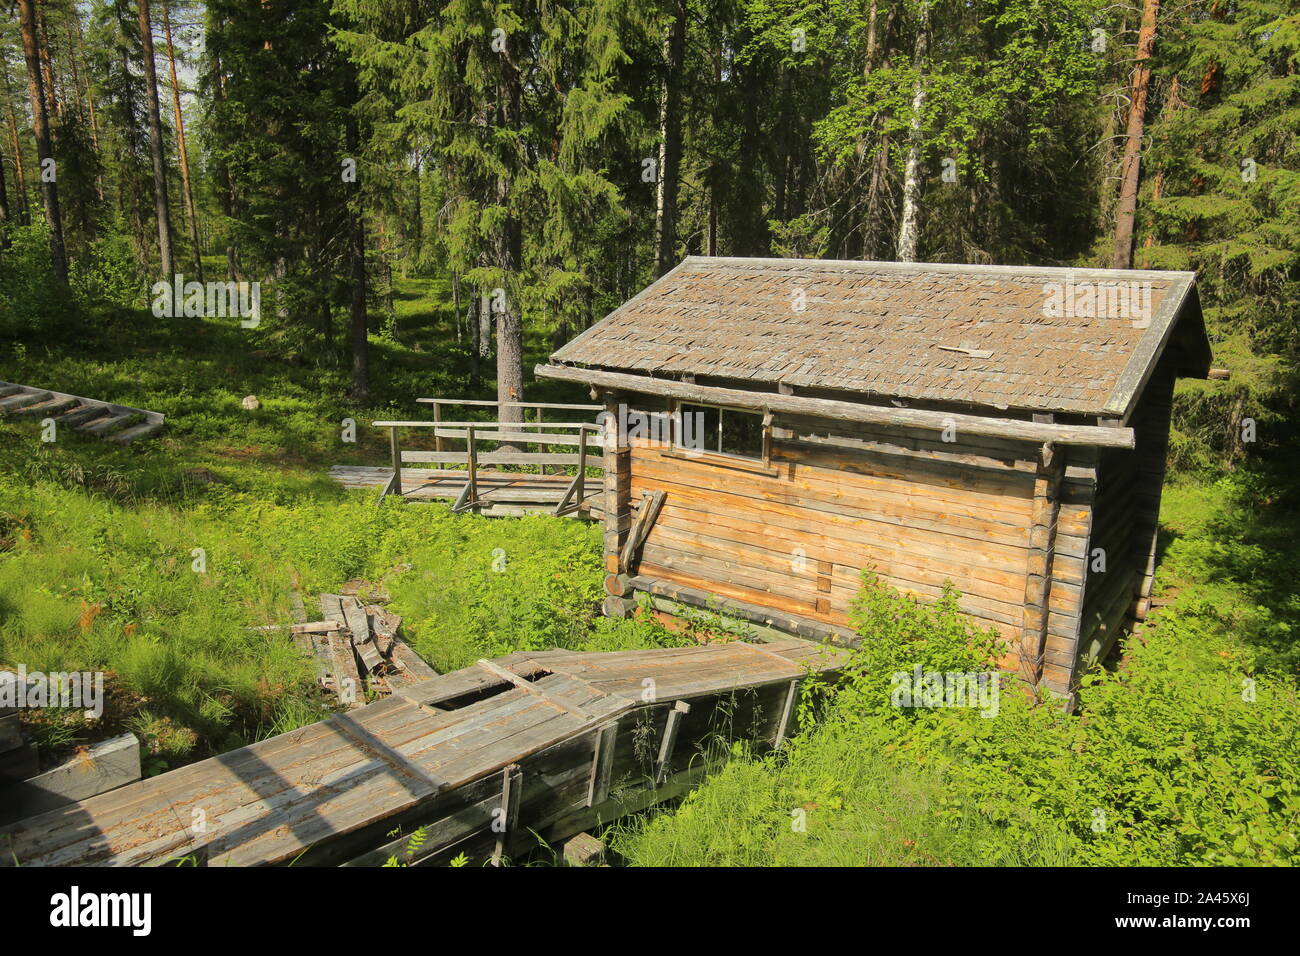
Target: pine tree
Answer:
[[1229, 205], [36, 83]]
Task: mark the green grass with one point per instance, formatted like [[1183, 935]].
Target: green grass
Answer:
[[97, 541], [834, 804]]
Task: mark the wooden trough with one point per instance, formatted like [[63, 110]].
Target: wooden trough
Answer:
[[484, 759]]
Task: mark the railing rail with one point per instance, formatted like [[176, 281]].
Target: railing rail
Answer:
[[473, 456]]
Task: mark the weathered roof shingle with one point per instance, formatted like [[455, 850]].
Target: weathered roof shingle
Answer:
[[982, 335]]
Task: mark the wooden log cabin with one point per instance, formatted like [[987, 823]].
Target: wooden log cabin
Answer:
[[1003, 428]]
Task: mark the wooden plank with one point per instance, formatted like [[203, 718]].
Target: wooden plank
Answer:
[[488, 403], [669, 740], [53, 406], [492, 457], [405, 657], [101, 767], [532, 688], [343, 664], [537, 438], [650, 506], [602, 763], [108, 407], [104, 425], [24, 398], [359, 625], [511, 798], [80, 414], [136, 432]]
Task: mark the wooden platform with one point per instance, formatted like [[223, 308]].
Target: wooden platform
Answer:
[[88, 416], [500, 493], [546, 742]]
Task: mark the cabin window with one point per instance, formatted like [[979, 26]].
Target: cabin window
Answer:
[[723, 431]]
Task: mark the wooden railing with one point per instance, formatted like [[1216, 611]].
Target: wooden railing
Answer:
[[539, 407], [579, 435]]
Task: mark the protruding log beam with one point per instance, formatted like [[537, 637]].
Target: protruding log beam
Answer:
[[1037, 432]]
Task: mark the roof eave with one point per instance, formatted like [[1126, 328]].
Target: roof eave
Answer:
[[1173, 309]]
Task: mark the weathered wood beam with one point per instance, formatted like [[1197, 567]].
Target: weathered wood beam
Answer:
[[762, 617], [651, 503], [512, 786], [1038, 432], [669, 741], [1042, 549]]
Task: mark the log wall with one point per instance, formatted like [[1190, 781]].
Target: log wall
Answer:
[[842, 497], [1013, 525], [1127, 519]]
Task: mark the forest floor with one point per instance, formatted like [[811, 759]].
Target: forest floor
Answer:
[[98, 542], [1179, 760]]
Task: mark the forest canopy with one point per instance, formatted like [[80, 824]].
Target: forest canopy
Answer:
[[549, 159]]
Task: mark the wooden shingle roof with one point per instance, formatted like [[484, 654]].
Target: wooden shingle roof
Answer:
[[997, 336]]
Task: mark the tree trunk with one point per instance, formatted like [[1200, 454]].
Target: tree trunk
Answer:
[[20, 180], [1172, 105], [1130, 168], [41, 128], [418, 225], [156, 142], [225, 187], [80, 52], [181, 151], [359, 333], [4, 206], [908, 227], [54, 105], [508, 253], [670, 143], [475, 343], [510, 332]]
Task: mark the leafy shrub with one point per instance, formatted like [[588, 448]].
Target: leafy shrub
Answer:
[[109, 274], [33, 302], [1181, 758]]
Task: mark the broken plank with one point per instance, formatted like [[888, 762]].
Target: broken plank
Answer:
[[404, 656]]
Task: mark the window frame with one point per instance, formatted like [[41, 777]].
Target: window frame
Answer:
[[729, 459]]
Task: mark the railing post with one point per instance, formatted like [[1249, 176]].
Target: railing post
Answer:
[[472, 459], [396, 483], [541, 469], [582, 464], [437, 418]]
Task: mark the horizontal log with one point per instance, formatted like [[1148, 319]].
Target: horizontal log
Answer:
[[500, 458], [486, 426], [847, 411], [535, 438], [730, 607], [490, 404]]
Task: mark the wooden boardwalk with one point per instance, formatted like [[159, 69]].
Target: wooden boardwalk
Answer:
[[88, 416], [500, 493], [548, 743]]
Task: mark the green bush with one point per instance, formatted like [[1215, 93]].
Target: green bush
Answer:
[[34, 304]]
